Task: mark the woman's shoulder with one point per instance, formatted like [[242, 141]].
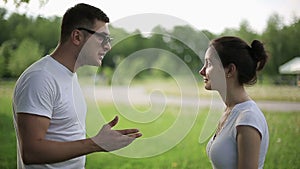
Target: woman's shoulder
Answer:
[[250, 114], [246, 107]]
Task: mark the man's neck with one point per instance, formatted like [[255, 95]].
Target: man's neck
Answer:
[[65, 56]]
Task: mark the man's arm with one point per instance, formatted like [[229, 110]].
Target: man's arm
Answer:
[[36, 150]]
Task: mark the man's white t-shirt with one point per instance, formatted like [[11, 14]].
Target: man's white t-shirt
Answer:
[[222, 151], [49, 89]]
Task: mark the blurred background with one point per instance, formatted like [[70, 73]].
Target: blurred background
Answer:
[[35, 25], [29, 30]]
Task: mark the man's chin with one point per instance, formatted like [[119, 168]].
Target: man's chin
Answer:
[[96, 63], [99, 63], [92, 64]]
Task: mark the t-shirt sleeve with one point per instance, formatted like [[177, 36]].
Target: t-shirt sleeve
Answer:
[[250, 118], [35, 94]]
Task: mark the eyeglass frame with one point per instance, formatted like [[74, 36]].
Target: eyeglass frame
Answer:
[[106, 38]]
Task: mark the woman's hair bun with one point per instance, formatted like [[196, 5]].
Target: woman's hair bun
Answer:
[[258, 54]]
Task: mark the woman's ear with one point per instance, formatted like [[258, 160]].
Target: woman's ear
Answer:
[[230, 70]]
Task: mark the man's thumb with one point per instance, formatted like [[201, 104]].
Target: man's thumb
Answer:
[[113, 122]]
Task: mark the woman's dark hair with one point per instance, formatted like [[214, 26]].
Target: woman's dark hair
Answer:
[[81, 15], [247, 59]]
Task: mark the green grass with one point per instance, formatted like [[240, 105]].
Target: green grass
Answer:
[[274, 93], [283, 149], [188, 154], [257, 91], [7, 132]]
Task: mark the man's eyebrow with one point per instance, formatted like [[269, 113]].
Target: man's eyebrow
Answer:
[[103, 33]]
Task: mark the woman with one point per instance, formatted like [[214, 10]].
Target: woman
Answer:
[[241, 139]]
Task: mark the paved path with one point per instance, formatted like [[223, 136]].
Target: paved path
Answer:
[[138, 95]]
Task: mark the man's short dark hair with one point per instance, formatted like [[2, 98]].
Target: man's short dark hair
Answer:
[[81, 15]]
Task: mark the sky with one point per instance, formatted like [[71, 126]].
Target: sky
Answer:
[[212, 15]]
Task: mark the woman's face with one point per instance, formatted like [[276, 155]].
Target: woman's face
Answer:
[[213, 71]]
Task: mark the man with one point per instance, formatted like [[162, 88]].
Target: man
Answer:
[[49, 108]]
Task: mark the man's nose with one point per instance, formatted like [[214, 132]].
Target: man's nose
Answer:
[[107, 47]]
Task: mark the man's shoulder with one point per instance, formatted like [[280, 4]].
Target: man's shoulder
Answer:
[[39, 69], [37, 74], [39, 64]]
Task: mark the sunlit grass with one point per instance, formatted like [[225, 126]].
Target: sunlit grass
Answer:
[[283, 148], [275, 93], [257, 92], [7, 133], [188, 154]]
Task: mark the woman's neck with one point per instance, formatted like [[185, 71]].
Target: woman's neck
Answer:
[[235, 95]]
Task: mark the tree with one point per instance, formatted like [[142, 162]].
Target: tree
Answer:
[[45, 31], [19, 2], [190, 45], [273, 38], [26, 53], [229, 32], [3, 22], [246, 32], [290, 45], [6, 51]]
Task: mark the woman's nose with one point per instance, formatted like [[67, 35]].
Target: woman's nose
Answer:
[[202, 71]]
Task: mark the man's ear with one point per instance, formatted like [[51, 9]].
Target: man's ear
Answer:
[[76, 37], [230, 70]]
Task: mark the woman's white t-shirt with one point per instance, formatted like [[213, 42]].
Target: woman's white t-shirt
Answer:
[[49, 89], [222, 150]]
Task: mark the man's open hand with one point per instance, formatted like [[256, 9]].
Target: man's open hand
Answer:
[[110, 140]]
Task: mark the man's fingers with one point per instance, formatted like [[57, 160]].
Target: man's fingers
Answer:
[[135, 135], [127, 131], [113, 122]]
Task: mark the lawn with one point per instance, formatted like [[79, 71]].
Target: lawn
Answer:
[[257, 91], [187, 154]]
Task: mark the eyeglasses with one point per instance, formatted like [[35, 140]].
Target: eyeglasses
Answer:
[[106, 39]]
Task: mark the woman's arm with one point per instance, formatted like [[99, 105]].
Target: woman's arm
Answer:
[[248, 145]]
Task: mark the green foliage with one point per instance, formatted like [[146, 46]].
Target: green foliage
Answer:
[[46, 32], [246, 32], [6, 51], [282, 42], [273, 39], [26, 53], [184, 41], [19, 2], [2, 64], [4, 35]]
